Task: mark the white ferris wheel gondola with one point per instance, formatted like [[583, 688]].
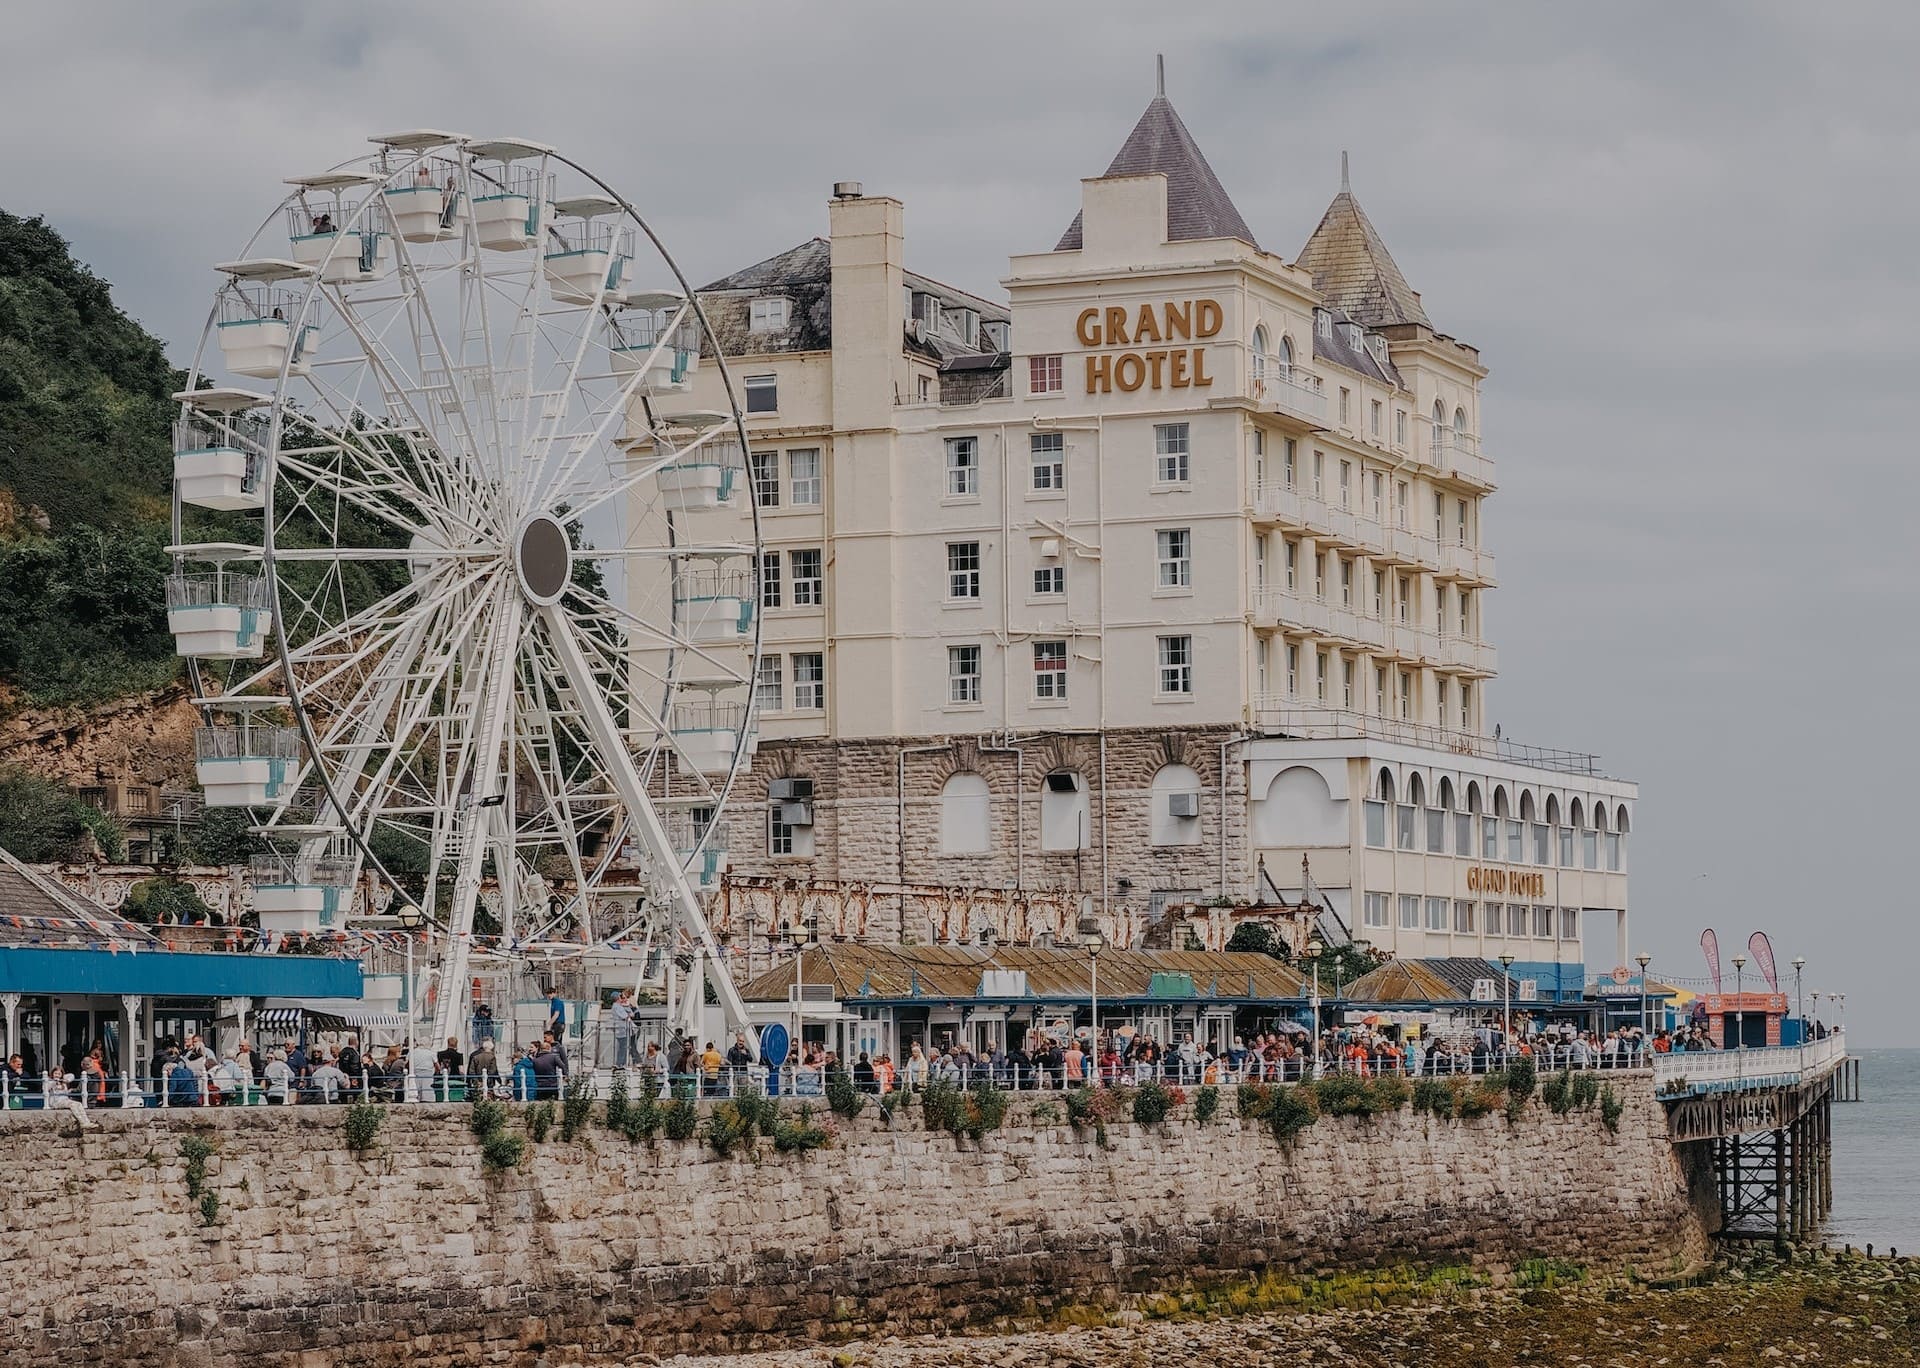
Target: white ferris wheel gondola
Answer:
[[440, 582]]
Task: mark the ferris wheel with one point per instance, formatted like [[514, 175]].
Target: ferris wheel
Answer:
[[462, 577]]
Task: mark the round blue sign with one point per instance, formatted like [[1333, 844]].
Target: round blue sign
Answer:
[[773, 1045]]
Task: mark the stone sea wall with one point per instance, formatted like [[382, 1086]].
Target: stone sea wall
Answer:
[[599, 1249]]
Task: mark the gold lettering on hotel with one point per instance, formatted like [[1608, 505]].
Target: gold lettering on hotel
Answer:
[[1515, 883], [1157, 368]]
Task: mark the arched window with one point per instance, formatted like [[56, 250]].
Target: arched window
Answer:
[[1473, 795], [1553, 809], [965, 812], [1063, 811], [1500, 807], [1286, 356], [1260, 352], [1446, 792], [1621, 822], [1599, 816], [1575, 814], [1387, 789], [1528, 812], [1175, 797], [1460, 420], [1416, 792]]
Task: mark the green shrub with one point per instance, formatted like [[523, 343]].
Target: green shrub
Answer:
[[1556, 1091], [363, 1122], [800, 1134], [642, 1119], [1585, 1090], [209, 1207], [845, 1099], [539, 1121], [1474, 1099], [727, 1127], [1096, 1107], [1340, 1095], [681, 1119], [1520, 1078], [1289, 1111], [1206, 1102], [196, 1150], [576, 1106], [1389, 1092], [487, 1118], [1253, 1100], [1151, 1102], [1610, 1108], [974, 1112], [617, 1103], [501, 1151], [1434, 1097]]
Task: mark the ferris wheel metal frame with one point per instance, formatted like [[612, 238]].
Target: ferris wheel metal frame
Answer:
[[451, 673]]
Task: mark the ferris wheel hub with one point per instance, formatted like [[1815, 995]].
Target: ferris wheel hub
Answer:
[[543, 557]]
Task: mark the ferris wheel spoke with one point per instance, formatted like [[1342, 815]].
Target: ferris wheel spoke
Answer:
[[554, 490], [583, 502]]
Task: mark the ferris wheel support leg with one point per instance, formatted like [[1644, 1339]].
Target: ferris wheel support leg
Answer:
[[646, 826], [488, 765]]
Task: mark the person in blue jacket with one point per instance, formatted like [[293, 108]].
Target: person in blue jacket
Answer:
[[523, 1077], [183, 1088]]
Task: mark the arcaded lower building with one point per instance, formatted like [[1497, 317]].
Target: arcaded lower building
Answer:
[[1146, 576]]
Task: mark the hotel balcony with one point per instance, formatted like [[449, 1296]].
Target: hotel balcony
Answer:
[[1457, 455], [1280, 608], [1468, 564], [1472, 657], [1289, 390], [1279, 715]]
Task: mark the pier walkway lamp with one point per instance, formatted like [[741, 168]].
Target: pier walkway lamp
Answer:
[[1093, 943], [1506, 1004], [1739, 1007], [1799, 1003], [1643, 959], [1315, 948], [410, 918]]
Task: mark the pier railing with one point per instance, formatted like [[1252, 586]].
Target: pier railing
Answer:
[[1731, 1070]]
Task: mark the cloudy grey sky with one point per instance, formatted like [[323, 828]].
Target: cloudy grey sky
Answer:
[[1683, 237]]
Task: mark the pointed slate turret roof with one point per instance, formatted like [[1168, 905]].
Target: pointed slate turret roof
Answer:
[[1352, 268], [1197, 204]]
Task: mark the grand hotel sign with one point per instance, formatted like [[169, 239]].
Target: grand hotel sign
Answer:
[[1160, 343], [1514, 883]]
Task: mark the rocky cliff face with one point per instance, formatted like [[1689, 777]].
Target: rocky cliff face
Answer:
[[144, 739]]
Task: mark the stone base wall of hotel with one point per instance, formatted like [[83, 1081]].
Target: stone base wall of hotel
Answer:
[[596, 1249]]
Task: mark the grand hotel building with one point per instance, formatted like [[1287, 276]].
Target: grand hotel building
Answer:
[[1165, 579]]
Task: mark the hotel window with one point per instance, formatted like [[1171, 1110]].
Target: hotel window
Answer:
[[1346, 582], [1293, 670], [1380, 594], [1409, 911], [1514, 852], [1346, 406], [1376, 909], [1542, 853], [963, 467], [1323, 325], [1262, 653], [1566, 847], [1049, 454], [1292, 450], [1569, 923], [766, 478], [808, 589], [1346, 484], [809, 681], [1436, 831], [803, 476], [767, 314], [1404, 826], [1379, 484], [1543, 923], [1406, 696], [1176, 664], [1320, 576], [770, 579], [1377, 825], [783, 839], [926, 388], [1463, 834], [1321, 671], [1489, 838], [1346, 684], [1439, 517], [963, 570], [1516, 919], [1380, 691], [1292, 556], [1260, 562], [1319, 474], [963, 675], [1259, 459], [1400, 427], [1044, 375], [768, 696], [1400, 503], [1440, 617], [1466, 612], [1466, 707], [1373, 418], [1613, 851], [1463, 917], [1460, 521], [1404, 599], [1170, 445], [1590, 849], [1174, 548], [1436, 914], [763, 394], [1050, 669], [1049, 581], [1440, 701]]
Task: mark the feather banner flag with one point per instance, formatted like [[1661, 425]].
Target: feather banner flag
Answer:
[[1710, 945], [1762, 951]]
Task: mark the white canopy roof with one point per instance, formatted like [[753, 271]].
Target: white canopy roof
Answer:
[[331, 180], [586, 206], [507, 149], [266, 269], [415, 139], [222, 400], [654, 299]]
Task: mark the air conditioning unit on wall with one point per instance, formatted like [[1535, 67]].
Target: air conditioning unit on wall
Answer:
[[1183, 805]]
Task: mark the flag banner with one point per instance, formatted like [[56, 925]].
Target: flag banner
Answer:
[[1710, 946], [1762, 951]]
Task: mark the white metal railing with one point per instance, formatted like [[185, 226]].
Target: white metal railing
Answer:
[[218, 589], [1292, 717], [282, 868], [1290, 387], [701, 714], [1715, 1070], [252, 742]]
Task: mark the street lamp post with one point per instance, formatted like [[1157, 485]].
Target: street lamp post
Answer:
[[409, 917], [1739, 1015], [1799, 1003], [1506, 1006], [1841, 998], [1314, 948], [1643, 959], [1093, 942]]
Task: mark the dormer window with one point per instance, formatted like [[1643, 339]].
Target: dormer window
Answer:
[[1323, 324], [970, 327], [1380, 349], [926, 309], [767, 314], [1355, 337]]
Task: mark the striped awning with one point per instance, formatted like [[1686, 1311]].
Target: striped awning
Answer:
[[322, 1014]]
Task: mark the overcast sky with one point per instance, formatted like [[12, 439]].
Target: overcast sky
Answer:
[[1682, 236]]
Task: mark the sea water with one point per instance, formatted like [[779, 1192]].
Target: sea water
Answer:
[[1876, 1157]]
